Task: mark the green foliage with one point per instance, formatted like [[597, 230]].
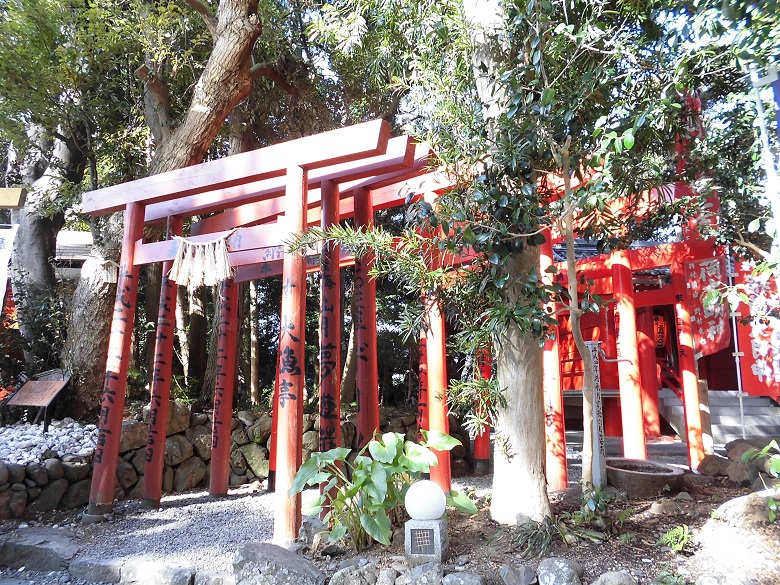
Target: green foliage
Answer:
[[770, 455], [667, 576], [676, 538], [594, 521], [365, 498], [42, 315], [531, 539]]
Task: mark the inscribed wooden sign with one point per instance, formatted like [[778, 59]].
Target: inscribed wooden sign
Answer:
[[38, 393]]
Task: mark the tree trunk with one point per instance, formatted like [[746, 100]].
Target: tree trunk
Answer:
[[520, 449], [225, 81], [575, 314], [33, 280], [182, 327], [197, 342], [347, 389], [254, 346]]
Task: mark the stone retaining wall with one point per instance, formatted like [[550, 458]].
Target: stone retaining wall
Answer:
[[65, 482]]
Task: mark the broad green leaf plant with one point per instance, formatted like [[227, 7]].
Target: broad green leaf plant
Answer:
[[365, 498]]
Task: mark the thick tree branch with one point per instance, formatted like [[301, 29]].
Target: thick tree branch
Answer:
[[158, 102], [208, 18], [271, 71]]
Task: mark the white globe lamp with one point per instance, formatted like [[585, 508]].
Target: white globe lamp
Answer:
[[425, 500]]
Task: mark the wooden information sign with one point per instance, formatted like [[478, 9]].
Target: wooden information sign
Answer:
[[38, 393]]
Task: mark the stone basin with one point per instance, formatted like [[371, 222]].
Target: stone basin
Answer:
[[643, 479]]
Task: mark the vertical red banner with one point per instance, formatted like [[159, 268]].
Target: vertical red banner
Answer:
[[759, 338], [711, 330]]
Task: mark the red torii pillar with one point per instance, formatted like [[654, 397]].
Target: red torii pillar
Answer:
[[688, 370], [422, 392], [366, 377], [292, 343], [648, 371], [224, 388], [330, 325], [482, 440], [554, 425], [151, 491], [101, 496], [436, 349], [628, 357]]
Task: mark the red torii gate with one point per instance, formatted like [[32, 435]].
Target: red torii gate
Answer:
[[276, 191]]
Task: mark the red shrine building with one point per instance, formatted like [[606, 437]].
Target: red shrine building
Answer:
[[656, 330]]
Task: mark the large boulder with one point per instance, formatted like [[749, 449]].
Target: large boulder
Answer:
[[125, 474], [144, 572], [74, 469], [256, 458], [750, 511], [13, 503], [54, 469], [262, 563], [178, 417], [559, 571], [200, 437], [77, 494], [134, 434], [37, 473], [177, 449], [189, 474], [39, 549], [49, 497], [713, 465], [260, 429]]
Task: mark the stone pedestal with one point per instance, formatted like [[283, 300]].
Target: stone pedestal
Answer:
[[426, 541]]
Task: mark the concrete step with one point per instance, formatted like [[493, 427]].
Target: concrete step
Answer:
[[754, 419], [726, 433], [734, 400], [774, 418]]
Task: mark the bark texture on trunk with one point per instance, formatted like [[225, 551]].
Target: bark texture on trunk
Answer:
[[44, 171], [197, 340], [225, 81], [519, 485]]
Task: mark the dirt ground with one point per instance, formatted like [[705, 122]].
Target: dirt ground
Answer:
[[631, 531]]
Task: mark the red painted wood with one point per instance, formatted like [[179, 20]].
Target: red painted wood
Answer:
[[330, 327], [628, 358], [270, 209], [400, 155], [556, 469], [271, 485], [422, 392], [290, 393], [250, 238], [325, 149], [161, 383], [482, 440], [330, 331], [366, 378], [648, 371], [274, 268], [224, 388], [436, 347], [687, 367], [101, 496]]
